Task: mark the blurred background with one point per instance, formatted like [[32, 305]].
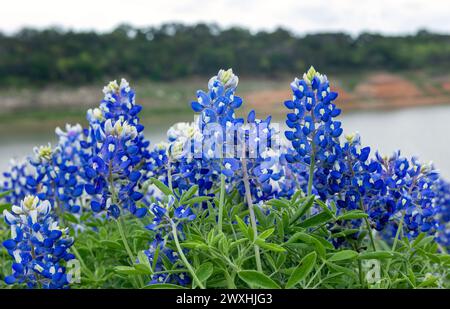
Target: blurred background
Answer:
[[389, 61]]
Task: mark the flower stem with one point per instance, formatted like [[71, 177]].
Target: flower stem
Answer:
[[369, 229], [169, 174], [221, 201], [183, 257], [79, 258], [361, 274], [127, 247], [251, 211], [399, 229], [311, 173]]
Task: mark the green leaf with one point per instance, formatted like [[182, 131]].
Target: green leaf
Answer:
[[296, 195], [194, 245], [303, 270], [257, 279], [143, 260], [378, 255], [316, 220], [306, 205], [262, 218], [161, 186], [280, 260], [300, 236], [165, 286], [6, 206], [418, 239], [205, 271], [126, 270], [250, 233], [429, 281], [423, 242], [70, 218], [324, 207], [306, 238], [353, 215], [86, 215], [242, 226], [344, 270], [278, 203], [188, 194], [343, 255], [111, 244], [344, 233], [142, 269], [266, 233], [269, 246], [5, 193], [197, 200]]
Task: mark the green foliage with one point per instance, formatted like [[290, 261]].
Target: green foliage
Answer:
[[53, 55], [296, 251]]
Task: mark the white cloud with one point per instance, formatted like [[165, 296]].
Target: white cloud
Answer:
[[354, 16]]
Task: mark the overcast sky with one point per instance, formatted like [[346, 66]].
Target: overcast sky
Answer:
[[353, 16]]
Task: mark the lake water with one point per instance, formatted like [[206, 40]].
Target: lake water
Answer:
[[424, 132]]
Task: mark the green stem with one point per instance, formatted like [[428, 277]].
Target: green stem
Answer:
[[311, 173], [251, 211], [127, 247], [183, 257], [315, 275], [83, 264], [399, 229], [361, 274], [169, 174], [369, 229], [221, 201], [230, 281]]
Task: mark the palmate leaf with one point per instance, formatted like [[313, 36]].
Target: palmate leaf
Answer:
[[256, 279], [6, 206], [378, 255], [343, 255], [4, 193], [269, 246], [161, 186], [305, 267], [308, 239], [303, 209], [316, 220], [352, 215], [188, 194], [204, 271]]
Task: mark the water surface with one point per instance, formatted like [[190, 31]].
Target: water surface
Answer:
[[424, 132]]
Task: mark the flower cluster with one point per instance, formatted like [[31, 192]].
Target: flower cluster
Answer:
[[56, 178], [394, 192], [38, 245], [443, 200], [158, 248], [116, 153], [110, 167], [314, 133], [411, 194], [15, 181], [167, 219], [227, 140]]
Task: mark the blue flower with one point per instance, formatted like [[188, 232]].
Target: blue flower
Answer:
[[313, 132], [15, 180], [38, 245], [116, 156]]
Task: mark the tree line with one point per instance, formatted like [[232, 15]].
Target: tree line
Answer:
[[172, 51]]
